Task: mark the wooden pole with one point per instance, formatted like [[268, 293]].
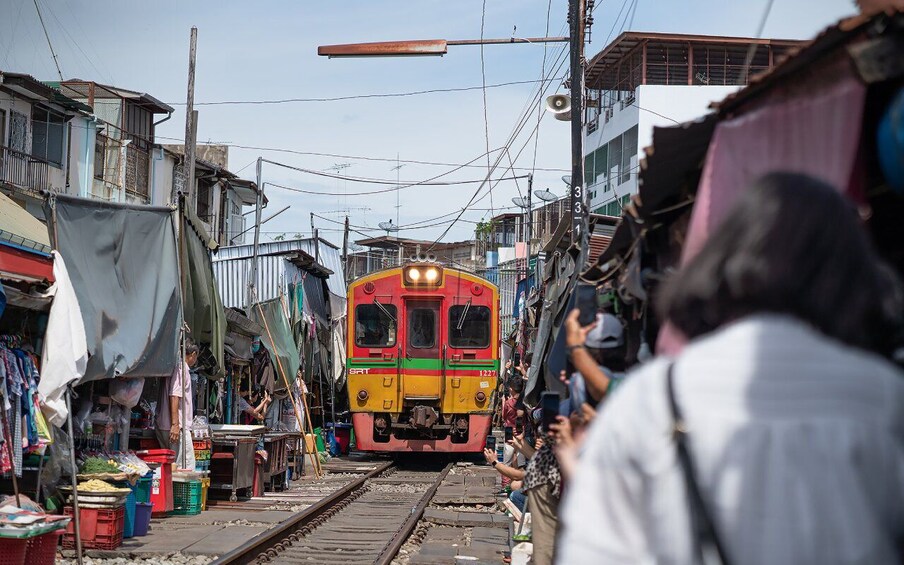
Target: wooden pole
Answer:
[[190, 130], [76, 519], [318, 470]]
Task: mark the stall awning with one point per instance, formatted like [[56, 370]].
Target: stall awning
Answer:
[[124, 269], [24, 244], [203, 307], [277, 338]]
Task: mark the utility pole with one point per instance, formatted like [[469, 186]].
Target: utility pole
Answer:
[[190, 119], [578, 208], [530, 215], [312, 225], [259, 204], [345, 249]]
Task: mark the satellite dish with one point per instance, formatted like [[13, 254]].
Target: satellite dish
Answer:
[[519, 202], [388, 226], [546, 195], [567, 179], [558, 104]]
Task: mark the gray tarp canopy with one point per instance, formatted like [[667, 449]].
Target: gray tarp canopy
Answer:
[[123, 265], [283, 352], [203, 307]]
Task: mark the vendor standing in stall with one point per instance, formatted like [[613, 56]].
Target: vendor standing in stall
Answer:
[[175, 411]]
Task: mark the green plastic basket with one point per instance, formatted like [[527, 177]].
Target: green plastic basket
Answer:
[[187, 498]]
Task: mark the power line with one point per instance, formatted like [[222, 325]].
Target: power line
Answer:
[[384, 159], [512, 137], [356, 96], [52, 52], [483, 78]]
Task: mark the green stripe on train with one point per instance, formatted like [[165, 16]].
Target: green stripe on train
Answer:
[[425, 364]]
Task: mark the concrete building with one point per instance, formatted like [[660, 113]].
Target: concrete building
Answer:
[[644, 80], [384, 252], [124, 140], [46, 141]]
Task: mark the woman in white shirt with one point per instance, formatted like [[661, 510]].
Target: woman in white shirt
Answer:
[[794, 416]]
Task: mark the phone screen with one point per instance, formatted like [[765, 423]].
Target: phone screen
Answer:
[[509, 433], [491, 443], [549, 402], [586, 302]]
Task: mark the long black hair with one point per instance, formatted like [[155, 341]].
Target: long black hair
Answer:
[[791, 245]]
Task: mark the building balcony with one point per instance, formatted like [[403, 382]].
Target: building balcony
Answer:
[[23, 172]]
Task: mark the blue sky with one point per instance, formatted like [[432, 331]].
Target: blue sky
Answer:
[[267, 50]]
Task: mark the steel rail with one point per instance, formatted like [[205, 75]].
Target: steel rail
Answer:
[[390, 551], [260, 544]]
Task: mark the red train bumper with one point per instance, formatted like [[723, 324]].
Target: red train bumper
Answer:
[[477, 434]]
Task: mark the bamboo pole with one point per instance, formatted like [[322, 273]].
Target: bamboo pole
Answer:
[[318, 469], [282, 372]]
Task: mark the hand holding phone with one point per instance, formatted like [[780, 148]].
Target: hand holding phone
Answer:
[[587, 303], [509, 433], [491, 443], [549, 404]]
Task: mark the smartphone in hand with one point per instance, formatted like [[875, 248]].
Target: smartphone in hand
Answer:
[[587, 303], [509, 433], [491, 443], [549, 405]]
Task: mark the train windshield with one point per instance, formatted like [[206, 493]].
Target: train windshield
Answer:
[[469, 326], [375, 325], [422, 328]]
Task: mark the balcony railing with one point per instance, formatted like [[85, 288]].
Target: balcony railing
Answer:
[[23, 171]]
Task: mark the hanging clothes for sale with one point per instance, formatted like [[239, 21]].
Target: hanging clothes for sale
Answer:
[[24, 429], [262, 370]]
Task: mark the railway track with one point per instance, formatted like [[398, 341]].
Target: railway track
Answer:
[[365, 522]]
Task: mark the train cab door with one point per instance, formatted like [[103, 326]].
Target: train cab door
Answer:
[[421, 356]]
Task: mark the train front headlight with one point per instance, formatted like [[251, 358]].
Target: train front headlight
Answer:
[[422, 275]]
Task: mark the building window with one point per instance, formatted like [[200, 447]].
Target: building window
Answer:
[[100, 156], [375, 325], [629, 149], [47, 129]]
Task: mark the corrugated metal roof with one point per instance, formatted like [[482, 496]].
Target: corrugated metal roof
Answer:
[[329, 257]]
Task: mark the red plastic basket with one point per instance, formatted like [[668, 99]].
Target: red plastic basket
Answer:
[[12, 551], [42, 549], [100, 528]]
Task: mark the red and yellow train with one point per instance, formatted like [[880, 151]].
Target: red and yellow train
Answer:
[[423, 359]]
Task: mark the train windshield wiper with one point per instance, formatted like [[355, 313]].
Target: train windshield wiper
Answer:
[[461, 321], [385, 310]]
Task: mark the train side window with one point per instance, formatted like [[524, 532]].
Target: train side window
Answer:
[[422, 328], [375, 325], [469, 326]]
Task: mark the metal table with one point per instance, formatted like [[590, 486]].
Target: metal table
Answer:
[[232, 463], [274, 470]]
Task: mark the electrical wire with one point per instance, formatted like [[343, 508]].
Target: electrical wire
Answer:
[[483, 78], [356, 96], [49, 44], [428, 181], [384, 159]]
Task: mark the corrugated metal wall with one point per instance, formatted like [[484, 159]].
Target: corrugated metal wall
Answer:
[[330, 257]]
